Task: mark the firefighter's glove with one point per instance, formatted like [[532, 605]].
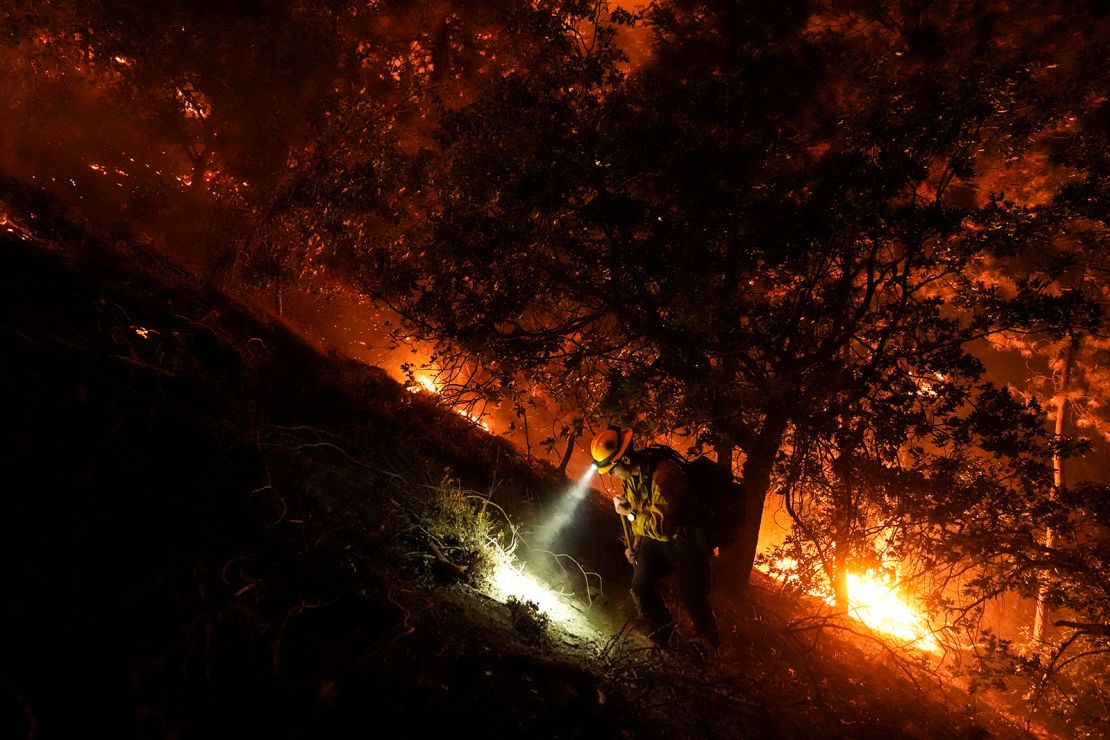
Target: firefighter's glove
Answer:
[[620, 503], [630, 555]]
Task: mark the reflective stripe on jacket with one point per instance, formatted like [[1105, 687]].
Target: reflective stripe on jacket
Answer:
[[660, 497]]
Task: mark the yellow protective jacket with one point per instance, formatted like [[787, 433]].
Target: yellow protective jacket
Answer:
[[660, 497]]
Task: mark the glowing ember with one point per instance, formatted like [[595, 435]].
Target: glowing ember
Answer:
[[193, 103], [475, 419], [12, 227]]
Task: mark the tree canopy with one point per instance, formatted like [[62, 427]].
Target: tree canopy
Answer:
[[771, 229]]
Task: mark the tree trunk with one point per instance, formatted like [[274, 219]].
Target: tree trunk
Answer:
[[523, 414], [571, 439], [843, 468], [724, 456], [758, 465], [840, 575], [1040, 615]]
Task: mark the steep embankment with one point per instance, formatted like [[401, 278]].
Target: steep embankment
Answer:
[[211, 531], [202, 516]]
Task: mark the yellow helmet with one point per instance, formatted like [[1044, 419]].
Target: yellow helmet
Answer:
[[609, 445]]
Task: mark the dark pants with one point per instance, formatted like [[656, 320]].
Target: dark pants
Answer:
[[690, 563]]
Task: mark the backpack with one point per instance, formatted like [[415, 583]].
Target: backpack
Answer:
[[721, 499]]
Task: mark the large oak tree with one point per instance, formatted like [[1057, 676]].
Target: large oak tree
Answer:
[[757, 231]]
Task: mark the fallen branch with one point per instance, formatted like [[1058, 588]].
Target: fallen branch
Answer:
[[820, 623], [458, 571]]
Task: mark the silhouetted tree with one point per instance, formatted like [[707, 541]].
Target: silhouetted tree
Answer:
[[754, 230]]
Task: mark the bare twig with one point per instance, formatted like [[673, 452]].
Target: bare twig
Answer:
[[403, 629], [458, 571], [585, 575], [830, 621]]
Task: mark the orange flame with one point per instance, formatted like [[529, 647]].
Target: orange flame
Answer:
[[874, 599], [429, 385]]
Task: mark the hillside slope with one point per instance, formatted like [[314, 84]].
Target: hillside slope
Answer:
[[212, 531]]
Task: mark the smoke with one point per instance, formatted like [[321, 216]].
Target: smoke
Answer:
[[69, 132]]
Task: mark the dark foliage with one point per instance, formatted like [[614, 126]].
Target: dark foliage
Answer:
[[213, 531]]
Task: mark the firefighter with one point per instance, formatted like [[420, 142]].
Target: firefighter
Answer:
[[658, 507]]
